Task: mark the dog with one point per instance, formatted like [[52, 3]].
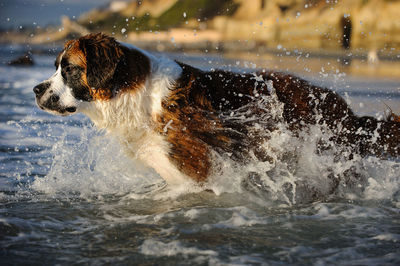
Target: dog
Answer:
[[173, 117]]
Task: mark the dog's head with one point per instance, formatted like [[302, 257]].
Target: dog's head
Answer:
[[94, 67]]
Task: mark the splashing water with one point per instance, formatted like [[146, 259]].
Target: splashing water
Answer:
[[297, 172], [94, 165]]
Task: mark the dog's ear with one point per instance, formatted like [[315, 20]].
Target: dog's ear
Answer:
[[103, 54]]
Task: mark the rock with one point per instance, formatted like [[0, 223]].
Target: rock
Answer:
[[25, 60]]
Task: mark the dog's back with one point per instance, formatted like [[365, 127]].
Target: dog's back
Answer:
[[200, 115]]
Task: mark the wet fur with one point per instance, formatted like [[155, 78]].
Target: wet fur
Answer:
[[199, 99], [173, 116]]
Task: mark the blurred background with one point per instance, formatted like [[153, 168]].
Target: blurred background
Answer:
[[301, 24], [368, 30], [330, 42]]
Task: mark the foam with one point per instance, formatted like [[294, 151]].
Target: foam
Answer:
[[240, 217], [152, 247], [387, 237]]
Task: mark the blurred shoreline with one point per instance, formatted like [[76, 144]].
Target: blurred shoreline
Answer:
[[359, 26], [307, 63], [357, 37]]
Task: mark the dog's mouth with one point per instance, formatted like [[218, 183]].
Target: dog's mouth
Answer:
[[71, 109], [58, 110]]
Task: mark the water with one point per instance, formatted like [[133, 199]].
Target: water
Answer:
[[68, 195]]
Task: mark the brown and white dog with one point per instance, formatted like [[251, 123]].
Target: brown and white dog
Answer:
[[172, 116]]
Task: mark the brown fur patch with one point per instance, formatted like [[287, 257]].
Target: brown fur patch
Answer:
[[109, 68], [191, 123], [74, 54], [112, 67]]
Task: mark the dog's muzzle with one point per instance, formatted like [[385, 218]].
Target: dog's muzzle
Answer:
[[52, 103]]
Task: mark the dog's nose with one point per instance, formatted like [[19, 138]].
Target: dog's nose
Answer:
[[39, 89]]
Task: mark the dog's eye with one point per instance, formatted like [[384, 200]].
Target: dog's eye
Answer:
[[68, 69]]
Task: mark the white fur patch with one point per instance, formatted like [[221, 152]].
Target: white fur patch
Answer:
[[62, 90]]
